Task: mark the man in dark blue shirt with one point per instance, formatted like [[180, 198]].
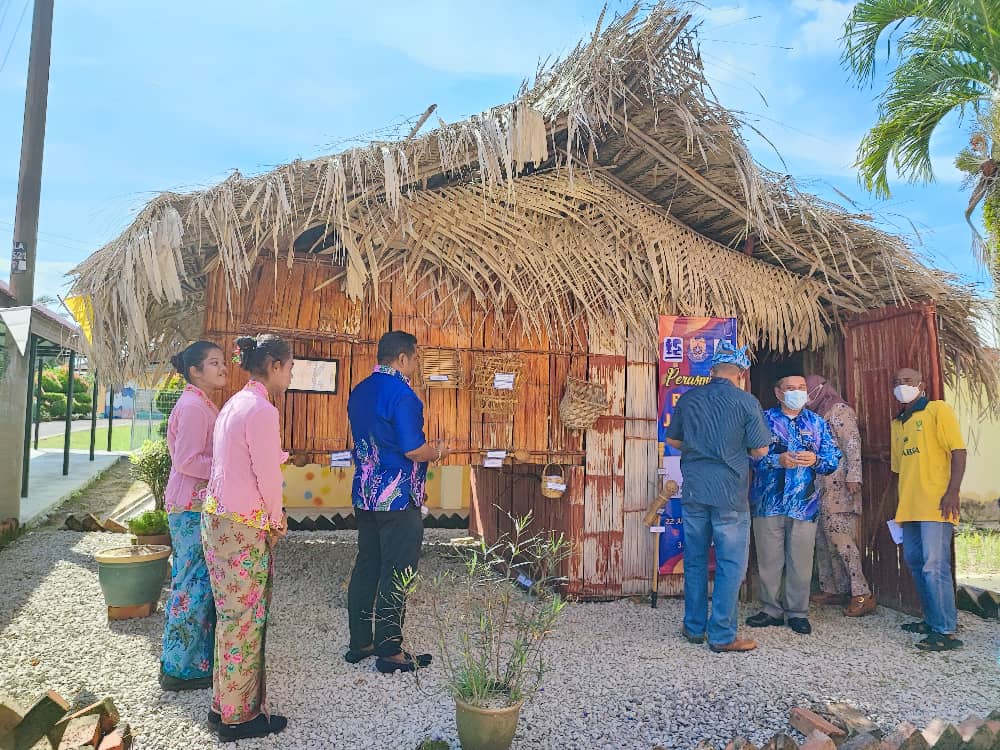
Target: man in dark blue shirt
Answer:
[[390, 469], [717, 427]]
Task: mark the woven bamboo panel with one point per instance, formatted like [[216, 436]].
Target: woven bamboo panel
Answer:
[[489, 399], [441, 368], [582, 403]]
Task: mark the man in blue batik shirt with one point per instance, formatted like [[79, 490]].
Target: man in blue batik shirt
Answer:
[[784, 500]]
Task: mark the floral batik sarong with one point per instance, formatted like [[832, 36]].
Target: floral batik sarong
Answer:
[[189, 631], [239, 567]]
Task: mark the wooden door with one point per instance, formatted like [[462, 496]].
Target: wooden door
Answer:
[[876, 344]]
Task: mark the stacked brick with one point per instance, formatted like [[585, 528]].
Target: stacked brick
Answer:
[[93, 727]]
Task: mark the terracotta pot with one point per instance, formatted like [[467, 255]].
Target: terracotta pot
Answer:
[[486, 728], [131, 576]]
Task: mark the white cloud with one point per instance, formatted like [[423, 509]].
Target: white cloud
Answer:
[[821, 33]]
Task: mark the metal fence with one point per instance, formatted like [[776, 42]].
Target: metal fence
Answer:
[[149, 414]]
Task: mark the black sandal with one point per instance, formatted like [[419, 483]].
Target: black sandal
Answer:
[[356, 655], [939, 642], [388, 666], [916, 627]]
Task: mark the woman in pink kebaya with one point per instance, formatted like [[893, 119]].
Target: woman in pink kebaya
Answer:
[[242, 520], [189, 630]]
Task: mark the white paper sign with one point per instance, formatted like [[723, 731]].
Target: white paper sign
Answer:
[[895, 531], [555, 486], [503, 381], [496, 454], [657, 529], [524, 581], [341, 460], [438, 378], [493, 463]]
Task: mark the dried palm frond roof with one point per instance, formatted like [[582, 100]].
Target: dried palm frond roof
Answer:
[[621, 141]]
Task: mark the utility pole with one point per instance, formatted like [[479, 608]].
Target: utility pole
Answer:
[[14, 388]]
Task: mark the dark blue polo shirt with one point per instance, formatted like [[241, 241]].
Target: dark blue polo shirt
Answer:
[[718, 423]]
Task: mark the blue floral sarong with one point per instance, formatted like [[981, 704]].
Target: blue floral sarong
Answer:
[[189, 631]]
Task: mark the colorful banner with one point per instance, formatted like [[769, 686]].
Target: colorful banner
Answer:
[[686, 347]]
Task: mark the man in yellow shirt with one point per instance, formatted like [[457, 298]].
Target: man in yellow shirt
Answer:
[[928, 462]]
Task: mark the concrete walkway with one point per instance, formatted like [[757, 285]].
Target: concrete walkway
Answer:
[[57, 428], [47, 487]]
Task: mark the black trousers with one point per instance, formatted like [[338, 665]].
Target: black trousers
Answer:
[[388, 543]]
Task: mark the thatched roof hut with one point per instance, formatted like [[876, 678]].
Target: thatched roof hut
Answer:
[[611, 191]]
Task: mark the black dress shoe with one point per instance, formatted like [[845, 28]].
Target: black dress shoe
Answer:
[[412, 663], [764, 620], [177, 685], [262, 726], [800, 625], [356, 655], [214, 718]]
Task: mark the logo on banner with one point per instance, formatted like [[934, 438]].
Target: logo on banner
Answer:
[[673, 349], [698, 349]]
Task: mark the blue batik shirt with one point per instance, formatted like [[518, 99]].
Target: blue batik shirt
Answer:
[[387, 422], [776, 491]]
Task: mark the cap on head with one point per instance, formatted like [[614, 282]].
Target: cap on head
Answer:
[[727, 354]]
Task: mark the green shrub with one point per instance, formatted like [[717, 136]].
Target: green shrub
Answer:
[[53, 405], [51, 382], [150, 523], [151, 464]]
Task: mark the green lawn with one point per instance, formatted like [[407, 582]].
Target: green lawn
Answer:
[[120, 439], [977, 553]]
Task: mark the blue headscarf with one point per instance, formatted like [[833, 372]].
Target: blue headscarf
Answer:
[[727, 354]]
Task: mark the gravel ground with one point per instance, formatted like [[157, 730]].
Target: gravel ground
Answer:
[[621, 677]]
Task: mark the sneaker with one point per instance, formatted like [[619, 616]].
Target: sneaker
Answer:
[[262, 726], [861, 606], [939, 642], [916, 627], [691, 637], [738, 646], [800, 625], [764, 620]]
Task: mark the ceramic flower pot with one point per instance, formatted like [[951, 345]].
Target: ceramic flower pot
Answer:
[[486, 728], [131, 576]]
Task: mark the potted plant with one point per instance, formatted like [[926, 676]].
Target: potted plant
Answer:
[[132, 576], [490, 640], [151, 464], [150, 528]]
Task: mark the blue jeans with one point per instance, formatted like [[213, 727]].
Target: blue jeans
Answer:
[[730, 531], [927, 551]]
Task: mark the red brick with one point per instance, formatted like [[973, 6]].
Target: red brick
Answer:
[[105, 710], [817, 740], [83, 731], [807, 722], [11, 714], [111, 525], [120, 739], [741, 743], [942, 736], [780, 741], [40, 718]]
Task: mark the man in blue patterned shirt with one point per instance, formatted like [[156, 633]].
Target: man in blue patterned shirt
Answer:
[[784, 500], [390, 468]]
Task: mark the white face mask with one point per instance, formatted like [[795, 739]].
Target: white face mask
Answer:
[[905, 393], [795, 400]]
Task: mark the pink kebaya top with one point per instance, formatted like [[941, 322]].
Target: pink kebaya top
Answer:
[[189, 440], [245, 484]]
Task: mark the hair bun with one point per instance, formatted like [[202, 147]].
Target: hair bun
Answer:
[[178, 362], [246, 343]]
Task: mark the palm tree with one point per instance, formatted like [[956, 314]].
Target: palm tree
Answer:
[[947, 61]]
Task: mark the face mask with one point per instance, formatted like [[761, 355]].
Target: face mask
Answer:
[[905, 393], [795, 400]]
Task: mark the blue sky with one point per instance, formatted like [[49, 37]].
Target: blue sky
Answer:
[[146, 97]]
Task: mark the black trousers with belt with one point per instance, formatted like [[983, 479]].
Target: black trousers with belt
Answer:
[[388, 543]]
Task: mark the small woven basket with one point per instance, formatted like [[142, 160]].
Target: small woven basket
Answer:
[[441, 368], [549, 479], [489, 399], [582, 403]]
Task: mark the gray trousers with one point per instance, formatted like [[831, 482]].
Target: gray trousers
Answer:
[[784, 550]]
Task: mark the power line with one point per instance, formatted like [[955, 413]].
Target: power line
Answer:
[[13, 39]]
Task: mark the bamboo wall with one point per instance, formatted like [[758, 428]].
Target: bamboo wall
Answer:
[[611, 469]]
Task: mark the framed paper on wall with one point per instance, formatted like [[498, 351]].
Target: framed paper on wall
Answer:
[[315, 375]]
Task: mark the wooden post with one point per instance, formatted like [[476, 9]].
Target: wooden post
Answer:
[[26, 453], [111, 414], [36, 411], [93, 419]]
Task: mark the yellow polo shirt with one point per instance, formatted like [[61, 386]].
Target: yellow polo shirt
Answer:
[[921, 455]]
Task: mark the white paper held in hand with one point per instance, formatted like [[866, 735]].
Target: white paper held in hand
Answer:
[[895, 531]]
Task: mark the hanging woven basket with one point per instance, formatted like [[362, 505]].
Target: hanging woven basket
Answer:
[[553, 481], [582, 403], [490, 371], [441, 368]]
